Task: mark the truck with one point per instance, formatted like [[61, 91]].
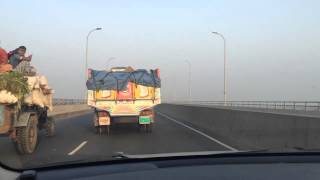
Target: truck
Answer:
[[123, 95], [22, 117]]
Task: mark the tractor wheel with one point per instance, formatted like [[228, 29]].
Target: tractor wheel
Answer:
[[27, 137], [50, 127]]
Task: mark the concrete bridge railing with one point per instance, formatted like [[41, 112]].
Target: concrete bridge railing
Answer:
[[61, 101], [65, 107], [277, 105], [247, 130]]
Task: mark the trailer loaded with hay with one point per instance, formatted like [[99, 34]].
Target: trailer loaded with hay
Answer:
[[24, 104]]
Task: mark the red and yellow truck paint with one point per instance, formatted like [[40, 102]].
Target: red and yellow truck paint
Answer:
[[137, 101]]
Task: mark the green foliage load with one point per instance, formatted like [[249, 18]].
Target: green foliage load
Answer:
[[15, 83]]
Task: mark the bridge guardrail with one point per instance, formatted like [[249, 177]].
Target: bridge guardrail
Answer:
[[281, 105], [61, 101], [250, 129]]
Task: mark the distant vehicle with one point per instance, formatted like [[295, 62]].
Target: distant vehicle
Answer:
[[123, 92]]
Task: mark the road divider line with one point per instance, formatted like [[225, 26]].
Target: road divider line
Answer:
[[77, 148], [197, 131]]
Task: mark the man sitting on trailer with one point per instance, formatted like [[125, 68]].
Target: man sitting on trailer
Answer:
[[20, 62]]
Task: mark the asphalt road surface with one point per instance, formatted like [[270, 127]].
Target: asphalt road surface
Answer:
[[76, 139]]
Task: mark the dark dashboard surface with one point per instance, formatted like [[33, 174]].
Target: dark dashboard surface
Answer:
[[253, 167], [226, 172]]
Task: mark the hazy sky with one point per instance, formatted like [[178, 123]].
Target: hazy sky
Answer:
[[273, 47]]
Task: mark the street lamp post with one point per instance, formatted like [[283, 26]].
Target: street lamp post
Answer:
[[224, 67], [189, 79], [87, 43]]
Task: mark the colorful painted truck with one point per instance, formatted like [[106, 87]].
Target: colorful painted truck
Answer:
[[123, 92]]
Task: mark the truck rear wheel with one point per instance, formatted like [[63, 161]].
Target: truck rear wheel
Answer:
[[27, 137], [149, 128], [146, 128], [103, 130]]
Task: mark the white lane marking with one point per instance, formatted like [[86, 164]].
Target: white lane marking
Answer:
[[199, 132], [77, 148]]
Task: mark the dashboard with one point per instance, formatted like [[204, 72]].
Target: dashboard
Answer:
[[227, 167]]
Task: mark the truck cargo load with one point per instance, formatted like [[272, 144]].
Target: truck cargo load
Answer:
[[118, 80], [121, 92]]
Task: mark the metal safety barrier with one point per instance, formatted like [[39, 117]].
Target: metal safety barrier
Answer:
[[60, 101], [280, 105]]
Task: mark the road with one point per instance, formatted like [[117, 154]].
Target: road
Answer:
[[75, 139]]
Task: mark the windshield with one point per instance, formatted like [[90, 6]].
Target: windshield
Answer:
[[85, 81]]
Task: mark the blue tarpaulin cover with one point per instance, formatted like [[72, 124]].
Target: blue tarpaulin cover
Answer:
[[106, 80]]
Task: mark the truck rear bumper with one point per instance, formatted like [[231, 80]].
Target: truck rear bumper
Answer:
[[105, 119], [124, 108], [132, 119]]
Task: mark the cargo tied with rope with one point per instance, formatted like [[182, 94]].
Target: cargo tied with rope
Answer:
[[123, 92]]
